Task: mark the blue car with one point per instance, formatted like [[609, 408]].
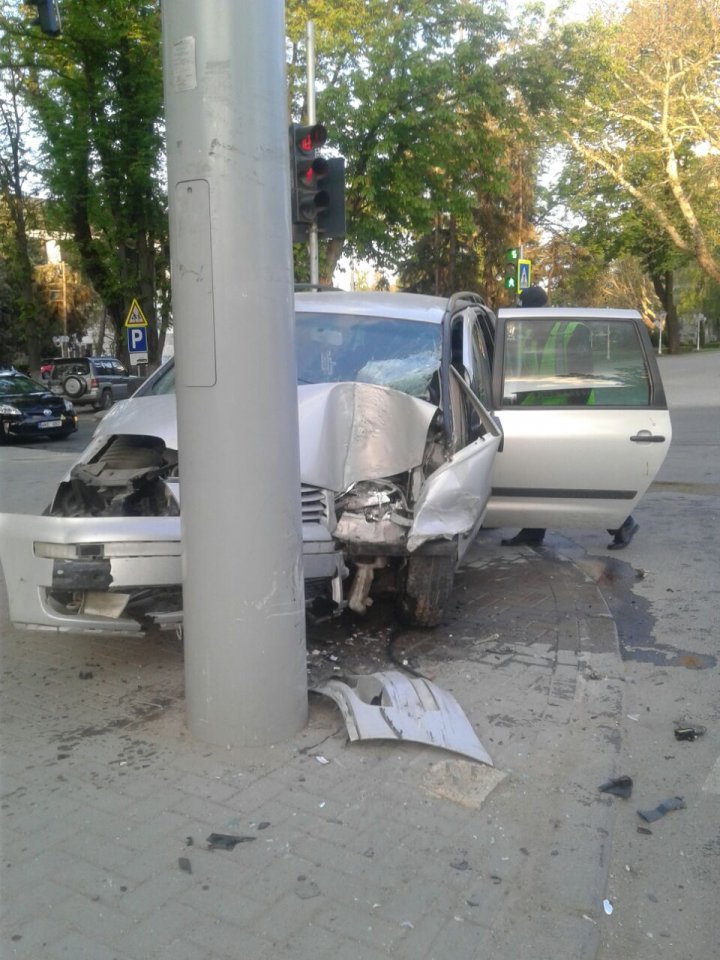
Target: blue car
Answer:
[[28, 409]]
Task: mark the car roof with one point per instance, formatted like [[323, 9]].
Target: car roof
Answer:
[[397, 306], [575, 313]]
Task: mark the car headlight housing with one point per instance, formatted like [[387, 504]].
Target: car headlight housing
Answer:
[[68, 406], [8, 410]]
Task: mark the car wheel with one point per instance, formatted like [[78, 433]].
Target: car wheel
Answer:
[[105, 402], [74, 386], [427, 588]]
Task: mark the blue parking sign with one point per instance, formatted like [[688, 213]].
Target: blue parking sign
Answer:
[[137, 339]]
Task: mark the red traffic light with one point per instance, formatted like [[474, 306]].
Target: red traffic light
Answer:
[[308, 138]]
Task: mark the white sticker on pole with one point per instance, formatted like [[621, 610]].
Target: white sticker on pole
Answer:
[[184, 70]]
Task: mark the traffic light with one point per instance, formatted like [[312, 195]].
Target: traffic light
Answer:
[[48, 18], [331, 220], [307, 175], [512, 261]]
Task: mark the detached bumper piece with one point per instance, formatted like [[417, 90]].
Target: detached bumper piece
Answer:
[[392, 706]]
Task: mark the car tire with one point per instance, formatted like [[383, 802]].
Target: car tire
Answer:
[[428, 583], [74, 386], [105, 402]]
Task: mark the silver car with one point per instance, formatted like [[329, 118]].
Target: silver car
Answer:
[[420, 418]]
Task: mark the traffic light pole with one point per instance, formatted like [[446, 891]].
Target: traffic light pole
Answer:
[[228, 192], [313, 246]]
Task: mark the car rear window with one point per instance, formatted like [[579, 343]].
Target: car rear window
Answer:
[[62, 368]]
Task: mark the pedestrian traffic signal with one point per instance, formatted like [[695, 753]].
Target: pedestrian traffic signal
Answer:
[[307, 173], [48, 18], [512, 255], [331, 220]]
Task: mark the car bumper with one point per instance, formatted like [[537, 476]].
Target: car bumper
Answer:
[[82, 574], [39, 427]]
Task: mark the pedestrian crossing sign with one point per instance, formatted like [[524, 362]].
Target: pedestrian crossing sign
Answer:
[[524, 273], [135, 317]]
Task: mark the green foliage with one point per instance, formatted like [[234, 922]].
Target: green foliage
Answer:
[[97, 95]]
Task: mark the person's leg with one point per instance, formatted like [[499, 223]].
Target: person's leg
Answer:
[[528, 535], [624, 534]]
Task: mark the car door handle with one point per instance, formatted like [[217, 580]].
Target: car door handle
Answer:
[[644, 436]]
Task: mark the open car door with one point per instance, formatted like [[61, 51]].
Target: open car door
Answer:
[[584, 416]]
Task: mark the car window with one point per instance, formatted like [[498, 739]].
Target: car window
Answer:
[[118, 369], [19, 384], [64, 368], [402, 354], [583, 362], [164, 383]]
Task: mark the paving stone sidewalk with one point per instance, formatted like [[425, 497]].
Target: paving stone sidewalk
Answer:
[[387, 850]]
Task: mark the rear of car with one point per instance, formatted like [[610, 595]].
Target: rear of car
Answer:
[[28, 410], [96, 381]]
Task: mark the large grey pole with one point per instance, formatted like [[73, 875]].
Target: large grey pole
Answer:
[[229, 200], [313, 245]]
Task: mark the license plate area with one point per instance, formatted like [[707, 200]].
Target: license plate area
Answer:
[[49, 424]]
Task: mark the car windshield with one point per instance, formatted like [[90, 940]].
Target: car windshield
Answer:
[[333, 347], [19, 384]]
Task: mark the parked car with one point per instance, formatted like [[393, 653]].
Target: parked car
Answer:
[[419, 417], [28, 409], [98, 381]]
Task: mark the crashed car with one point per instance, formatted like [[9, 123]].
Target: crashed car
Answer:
[[402, 457]]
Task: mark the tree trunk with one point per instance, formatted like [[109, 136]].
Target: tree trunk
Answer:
[[664, 284]]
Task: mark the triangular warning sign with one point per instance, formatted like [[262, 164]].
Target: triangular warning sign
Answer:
[[135, 317]]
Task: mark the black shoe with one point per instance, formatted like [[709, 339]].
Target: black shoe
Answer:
[[528, 535], [624, 534]]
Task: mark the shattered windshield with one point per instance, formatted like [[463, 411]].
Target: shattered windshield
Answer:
[[402, 354]]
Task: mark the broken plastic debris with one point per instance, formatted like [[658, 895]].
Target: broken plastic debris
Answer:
[[185, 864], [618, 787], [674, 803], [689, 733], [406, 923], [389, 705], [226, 841], [322, 760], [607, 907]]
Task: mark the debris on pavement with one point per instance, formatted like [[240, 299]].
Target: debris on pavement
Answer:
[[185, 864], [226, 841], [608, 907], [689, 732], [392, 706], [618, 787], [306, 889], [674, 803]]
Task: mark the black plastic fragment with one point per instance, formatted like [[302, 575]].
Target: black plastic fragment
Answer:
[[689, 733], [226, 841], [618, 787], [185, 864], [674, 803]]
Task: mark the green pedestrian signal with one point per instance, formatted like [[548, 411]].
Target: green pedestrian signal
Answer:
[[511, 282], [512, 255]]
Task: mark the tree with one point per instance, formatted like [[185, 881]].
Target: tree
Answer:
[[97, 94], [414, 100], [642, 111]]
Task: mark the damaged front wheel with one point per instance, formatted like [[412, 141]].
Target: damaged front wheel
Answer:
[[427, 588]]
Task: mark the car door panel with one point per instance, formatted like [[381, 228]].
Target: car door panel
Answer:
[[584, 436]]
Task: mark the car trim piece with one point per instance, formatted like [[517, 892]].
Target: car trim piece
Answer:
[[556, 494], [390, 705]]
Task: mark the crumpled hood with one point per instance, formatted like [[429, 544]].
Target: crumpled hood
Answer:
[[348, 431], [359, 431]]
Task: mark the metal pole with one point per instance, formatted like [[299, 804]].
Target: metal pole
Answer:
[[229, 203], [313, 251]]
